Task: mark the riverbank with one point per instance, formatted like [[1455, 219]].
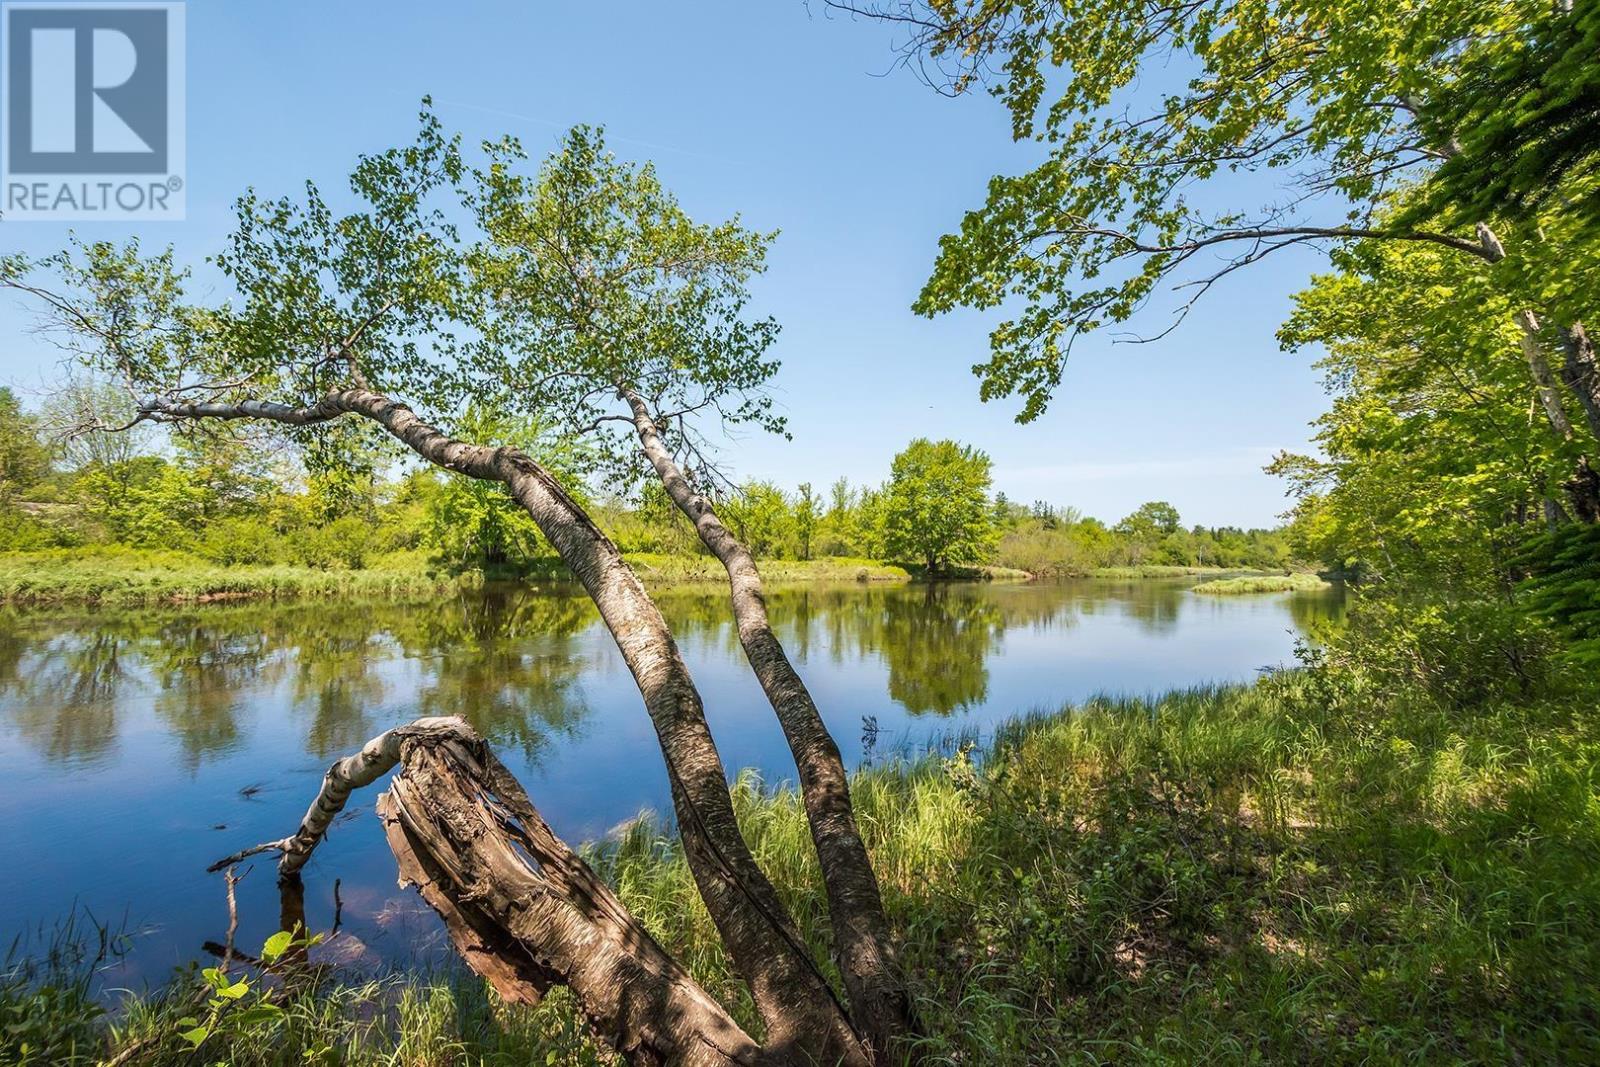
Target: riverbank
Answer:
[[135, 577], [132, 577], [1246, 585], [1291, 871]]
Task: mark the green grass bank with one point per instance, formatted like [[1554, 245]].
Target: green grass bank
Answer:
[[125, 576], [1246, 585], [1290, 872]]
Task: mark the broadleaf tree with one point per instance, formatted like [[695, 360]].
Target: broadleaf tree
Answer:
[[936, 506], [1272, 125], [436, 284]]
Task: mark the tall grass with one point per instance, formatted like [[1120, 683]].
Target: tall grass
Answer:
[[1289, 872], [127, 576], [1262, 583]]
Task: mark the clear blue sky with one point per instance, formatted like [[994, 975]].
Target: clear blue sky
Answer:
[[797, 121]]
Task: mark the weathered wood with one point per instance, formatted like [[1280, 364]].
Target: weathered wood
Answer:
[[524, 910]]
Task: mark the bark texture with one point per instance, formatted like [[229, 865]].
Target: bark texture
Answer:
[[1581, 372], [1544, 379], [803, 1018], [878, 1000], [522, 908]]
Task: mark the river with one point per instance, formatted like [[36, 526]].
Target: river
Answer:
[[136, 746]]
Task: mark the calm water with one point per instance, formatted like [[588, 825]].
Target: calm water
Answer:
[[137, 746]]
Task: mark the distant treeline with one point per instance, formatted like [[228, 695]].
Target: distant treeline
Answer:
[[234, 502]]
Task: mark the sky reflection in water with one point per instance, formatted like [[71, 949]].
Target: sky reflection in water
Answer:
[[138, 746]]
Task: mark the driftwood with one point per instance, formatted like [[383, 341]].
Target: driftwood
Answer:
[[523, 909]]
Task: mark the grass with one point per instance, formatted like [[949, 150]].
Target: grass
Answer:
[[1262, 583], [126, 576], [658, 569], [1294, 871], [1160, 570]]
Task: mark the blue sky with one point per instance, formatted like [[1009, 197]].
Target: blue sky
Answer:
[[799, 122]]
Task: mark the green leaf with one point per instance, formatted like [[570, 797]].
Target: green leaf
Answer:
[[256, 1015], [276, 946]]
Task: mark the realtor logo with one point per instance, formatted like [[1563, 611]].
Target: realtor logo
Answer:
[[93, 111]]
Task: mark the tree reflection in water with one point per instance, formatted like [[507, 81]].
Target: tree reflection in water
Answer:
[[504, 659]]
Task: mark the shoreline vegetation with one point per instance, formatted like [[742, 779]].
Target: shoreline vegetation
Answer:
[[1247, 584], [1304, 867], [115, 575]]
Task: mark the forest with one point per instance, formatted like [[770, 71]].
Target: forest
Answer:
[[1378, 845]]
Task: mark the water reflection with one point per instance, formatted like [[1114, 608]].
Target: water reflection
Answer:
[[209, 726], [510, 660], [937, 647]]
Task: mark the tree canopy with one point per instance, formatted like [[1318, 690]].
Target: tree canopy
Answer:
[[936, 506], [1316, 108]]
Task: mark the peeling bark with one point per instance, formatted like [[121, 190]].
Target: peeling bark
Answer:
[[802, 1016], [864, 946]]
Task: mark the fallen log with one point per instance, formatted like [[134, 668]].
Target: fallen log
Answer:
[[523, 909]]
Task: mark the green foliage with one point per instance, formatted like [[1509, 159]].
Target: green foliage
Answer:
[[49, 1013], [760, 516], [102, 574], [1313, 104], [1051, 542], [1300, 868], [24, 460], [936, 507], [155, 504], [472, 524], [1525, 119], [1246, 585], [806, 516], [1563, 586], [594, 279]]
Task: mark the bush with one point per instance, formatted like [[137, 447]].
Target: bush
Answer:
[[1464, 651], [343, 543], [240, 542], [21, 532]]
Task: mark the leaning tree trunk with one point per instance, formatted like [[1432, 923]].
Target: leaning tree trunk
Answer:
[[803, 1019], [523, 909], [865, 948]]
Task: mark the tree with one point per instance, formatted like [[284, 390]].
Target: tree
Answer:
[[1428, 457], [937, 508], [335, 316], [91, 418], [24, 460], [1525, 122], [806, 505], [1344, 107], [473, 522], [1151, 522], [612, 308], [759, 514]]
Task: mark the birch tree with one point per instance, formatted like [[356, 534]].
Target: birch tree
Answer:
[[618, 311], [391, 315]]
